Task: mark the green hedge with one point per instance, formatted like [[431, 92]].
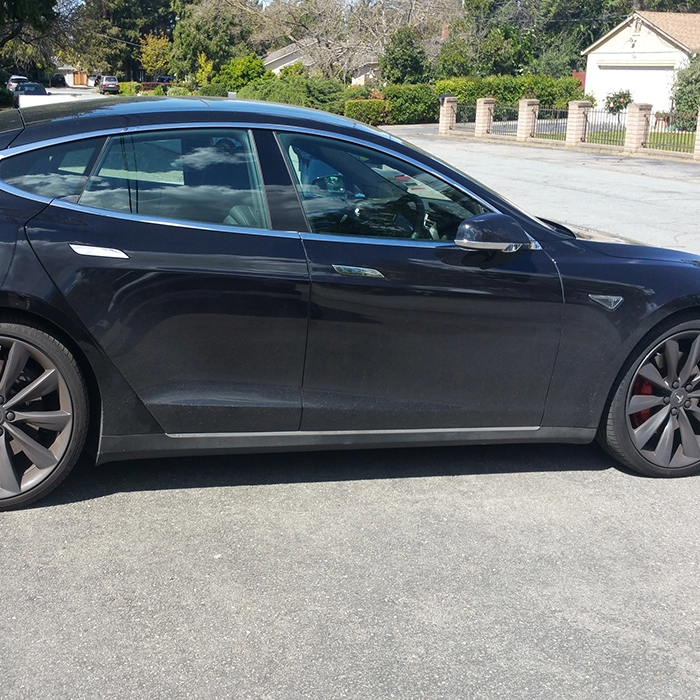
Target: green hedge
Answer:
[[368, 111], [213, 90], [411, 104], [297, 90], [554, 93]]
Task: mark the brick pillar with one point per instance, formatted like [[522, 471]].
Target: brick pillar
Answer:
[[527, 119], [638, 122], [484, 116], [576, 122], [448, 114], [696, 155]]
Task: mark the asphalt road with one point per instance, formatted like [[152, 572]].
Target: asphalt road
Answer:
[[649, 200], [479, 572]]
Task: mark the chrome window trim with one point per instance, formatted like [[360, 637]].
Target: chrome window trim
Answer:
[[250, 125], [178, 223], [371, 240]]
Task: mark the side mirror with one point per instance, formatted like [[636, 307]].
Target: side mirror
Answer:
[[496, 232]]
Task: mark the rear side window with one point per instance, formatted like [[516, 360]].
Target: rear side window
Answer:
[[203, 175], [59, 172]]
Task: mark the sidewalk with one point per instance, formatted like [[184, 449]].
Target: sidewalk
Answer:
[[652, 201]]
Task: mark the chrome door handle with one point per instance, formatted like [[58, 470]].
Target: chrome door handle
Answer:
[[98, 251], [352, 271]]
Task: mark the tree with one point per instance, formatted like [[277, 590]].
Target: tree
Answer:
[[33, 34], [222, 29], [404, 59], [155, 54], [19, 18], [686, 95], [107, 35], [240, 71]]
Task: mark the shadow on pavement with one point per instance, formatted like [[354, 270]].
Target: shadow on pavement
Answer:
[[88, 482]]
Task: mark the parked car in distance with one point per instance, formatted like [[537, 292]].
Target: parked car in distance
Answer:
[[164, 79], [109, 83], [188, 276], [27, 88], [58, 80], [15, 80]]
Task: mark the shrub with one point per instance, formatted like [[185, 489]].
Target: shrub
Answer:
[[686, 95], [616, 102], [368, 111], [213, 90], [297, 90], [5, 98], [176, 91], [411, 104], [130, 89]]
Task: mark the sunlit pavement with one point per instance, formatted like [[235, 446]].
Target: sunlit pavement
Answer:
[[651, 200]]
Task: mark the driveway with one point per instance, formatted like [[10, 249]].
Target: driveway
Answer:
[[497, 573]]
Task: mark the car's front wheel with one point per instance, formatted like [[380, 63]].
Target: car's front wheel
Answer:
[[43, 413], [653, 420]]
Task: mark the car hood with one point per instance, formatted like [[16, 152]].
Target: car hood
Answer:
[[619, 247], [630, 250]]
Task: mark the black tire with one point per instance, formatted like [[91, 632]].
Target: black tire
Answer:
[[652, 423], [43, 413]]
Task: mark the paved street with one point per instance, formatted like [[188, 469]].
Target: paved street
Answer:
[[482, 572], [650, 200]]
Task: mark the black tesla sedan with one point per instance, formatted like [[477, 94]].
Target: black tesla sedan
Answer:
[[187, 276]]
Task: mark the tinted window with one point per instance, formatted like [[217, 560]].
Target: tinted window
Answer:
[[208, 175], [56, 171], [352, 190]]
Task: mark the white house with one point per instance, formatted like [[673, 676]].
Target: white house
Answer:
[[642, 55]]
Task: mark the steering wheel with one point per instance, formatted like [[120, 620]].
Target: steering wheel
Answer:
[[417, 217]]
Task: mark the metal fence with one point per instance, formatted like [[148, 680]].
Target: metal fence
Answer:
[[466, 114], [674, 131], [551, 124], [505, 120], [606, 128]]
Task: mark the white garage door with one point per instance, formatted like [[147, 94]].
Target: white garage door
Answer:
[[648, 84]]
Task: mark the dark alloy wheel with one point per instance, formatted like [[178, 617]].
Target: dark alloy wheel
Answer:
[[43, 413], [653, 424]]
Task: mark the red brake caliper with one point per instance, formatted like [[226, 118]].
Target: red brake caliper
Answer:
[[642, 387]]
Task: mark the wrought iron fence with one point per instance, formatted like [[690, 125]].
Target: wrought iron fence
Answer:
[[504, 120], [466, 114], [551, 124], [606, 128], [673, 131]]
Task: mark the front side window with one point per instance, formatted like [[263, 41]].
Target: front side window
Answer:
[[349, 189], [59, 171], [203, 175]]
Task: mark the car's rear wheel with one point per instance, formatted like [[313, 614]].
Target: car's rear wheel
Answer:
[[653, 421], [43, 413]]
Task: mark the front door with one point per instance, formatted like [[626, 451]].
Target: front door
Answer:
[[408, 331]]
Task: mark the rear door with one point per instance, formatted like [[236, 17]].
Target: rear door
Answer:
[[163, 247]]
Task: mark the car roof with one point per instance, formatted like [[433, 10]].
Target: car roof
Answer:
[[80, 117]]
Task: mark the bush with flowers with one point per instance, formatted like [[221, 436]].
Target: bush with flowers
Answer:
[[616, 102]]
